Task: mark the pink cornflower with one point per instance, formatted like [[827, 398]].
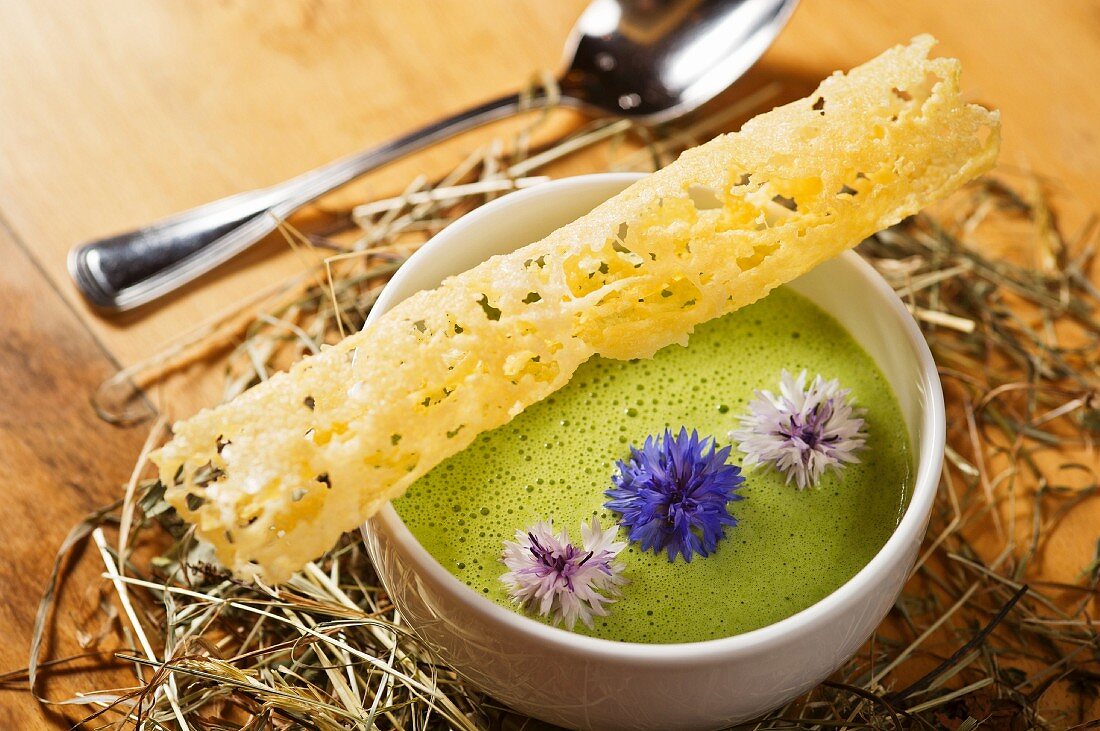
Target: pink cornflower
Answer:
[[802, 431], [556, 578]]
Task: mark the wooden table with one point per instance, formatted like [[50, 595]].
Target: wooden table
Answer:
[[115, 113]]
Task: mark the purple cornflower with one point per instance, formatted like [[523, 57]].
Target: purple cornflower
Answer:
[[672, 494], [803, 431], [560, 580]]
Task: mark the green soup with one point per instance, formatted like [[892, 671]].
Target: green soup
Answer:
[[790, 549]]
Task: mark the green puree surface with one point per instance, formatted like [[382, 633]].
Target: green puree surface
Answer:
[[790, 549]]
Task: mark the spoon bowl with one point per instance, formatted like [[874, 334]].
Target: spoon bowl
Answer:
[[656, 61]]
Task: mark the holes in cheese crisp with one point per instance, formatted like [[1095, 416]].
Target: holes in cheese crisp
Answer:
[[846, 190], [704, 198], [492, 313], [788, 203], [744, 180], [395, 439], [420, 326], [759, 254], [819, 105], [676, 294], [929, 83], [627, 255], [323, 478], [431, 398], [205, 474], [539, 262], [310, 403], [624, 229], [532, 298], [588, 271], [917, 94], [451, 434], [194, 502], [321, 437]]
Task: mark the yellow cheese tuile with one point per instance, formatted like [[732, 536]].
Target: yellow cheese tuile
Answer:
[[274, 477]]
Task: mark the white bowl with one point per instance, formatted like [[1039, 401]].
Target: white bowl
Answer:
[[587, 683]]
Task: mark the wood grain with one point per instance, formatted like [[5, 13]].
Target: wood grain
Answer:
[[114, 113], [60, 463]]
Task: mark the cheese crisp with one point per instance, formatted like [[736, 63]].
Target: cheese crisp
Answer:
[[273, 478]]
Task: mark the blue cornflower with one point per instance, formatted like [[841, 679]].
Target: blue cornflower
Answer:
[[673, 494]]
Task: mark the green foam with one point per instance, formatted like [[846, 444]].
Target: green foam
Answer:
[[556, 458]]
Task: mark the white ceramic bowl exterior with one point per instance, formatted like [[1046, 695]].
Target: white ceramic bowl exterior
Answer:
[[582, 682]]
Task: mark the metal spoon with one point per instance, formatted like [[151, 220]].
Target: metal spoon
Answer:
[[652, 60]]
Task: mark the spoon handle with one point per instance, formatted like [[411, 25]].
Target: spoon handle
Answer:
[[129, 269]]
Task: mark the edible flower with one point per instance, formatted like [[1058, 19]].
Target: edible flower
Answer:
[[803, 431], [673, 494], [560, 580]]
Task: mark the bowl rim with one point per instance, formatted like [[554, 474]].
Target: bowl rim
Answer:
[[910, 528]]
